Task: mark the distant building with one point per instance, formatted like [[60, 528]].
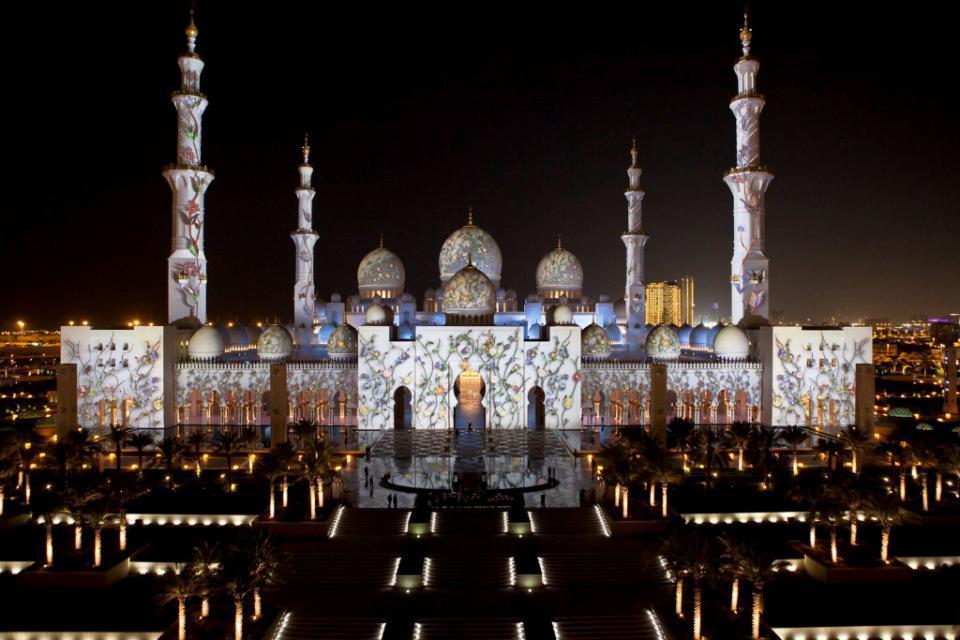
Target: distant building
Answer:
[[687, 304], [664, 303]]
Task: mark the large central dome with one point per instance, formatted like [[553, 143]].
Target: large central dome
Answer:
[[469, 295], [381, 274], [470, 245]]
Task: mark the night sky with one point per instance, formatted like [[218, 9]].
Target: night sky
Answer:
[[524, 111]]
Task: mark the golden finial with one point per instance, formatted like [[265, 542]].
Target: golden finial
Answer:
[[381, 239], [634, 152], [306, 148], [469, 216], [746, 34], [559, 245], [191, 31]]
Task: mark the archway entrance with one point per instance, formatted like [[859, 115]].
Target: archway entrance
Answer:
[[469, 389], [536, 415], [402, 408]]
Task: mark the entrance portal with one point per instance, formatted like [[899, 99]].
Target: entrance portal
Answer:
[[402, 408], [535, 409], [469, 390]]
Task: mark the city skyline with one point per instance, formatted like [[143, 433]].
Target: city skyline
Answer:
[[536, 139]]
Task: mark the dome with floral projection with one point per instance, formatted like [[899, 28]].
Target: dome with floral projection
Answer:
[[380, 273], [275, 343], [559, 274], [594, 342], [342, 343], [663, 343], [470, 293], [471, 245], [207, 343], [731, 343]]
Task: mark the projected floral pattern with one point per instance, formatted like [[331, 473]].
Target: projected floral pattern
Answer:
[[468, 245], [117, 370], [663, 343], [709, 378], [594, 342], [469, 291], [560, 269], [554, 366], [820, 373], [384, 366], [343, 341]]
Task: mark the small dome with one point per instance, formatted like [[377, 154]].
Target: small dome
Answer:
[[380, 271], [275, 343], [613, 332], [207, 343], [376, 315], [594, 342], [712, 333], [471, 245], [253, 334], [323, 334], [335, 297], [562, 315], [698, 337], [663, 344], [559, 273], [731, 343], [470, 293], [684, 334], [342, 343], [224, 334]]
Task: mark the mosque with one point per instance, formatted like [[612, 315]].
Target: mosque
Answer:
[[471, 351]]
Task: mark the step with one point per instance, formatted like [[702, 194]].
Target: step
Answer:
[[567, 521], [469, 572], [626, 627], [295, 625], [600, 569], [360, 522], [338, 571], [479, 522], [468, 629]]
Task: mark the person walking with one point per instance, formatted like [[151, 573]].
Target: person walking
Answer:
[[543, 500]]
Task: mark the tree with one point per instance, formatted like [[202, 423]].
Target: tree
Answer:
[[96, 511], [807, 490], [689, 550], [659, 463], [315, 468], [170, 453], [898, 456], [119, 492], [8, 469], [832, 510], [285, 455], [263, 558], [830, 449], [708, 452], [794, 437], [763, 441], [730, 564], [47, 507], [738, 436], [304, 430], [228, 443], [82, 446], [858, 442], [922, 457], [885, 508], [679, 436], [178, 585], [271, 467], [25, 445], [140, 441], [205, 567], [851, 491], [198, 439], [758, 568], [118, 437]]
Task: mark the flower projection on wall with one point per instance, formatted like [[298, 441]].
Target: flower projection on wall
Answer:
[[708, 378], [117, 377], [554, 366], [470, 245], [383, 368], [381, 269]]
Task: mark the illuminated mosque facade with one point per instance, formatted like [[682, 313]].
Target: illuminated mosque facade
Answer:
[[380, 359]]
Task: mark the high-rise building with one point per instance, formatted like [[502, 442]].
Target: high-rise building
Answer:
[[664, 303], [687, 304]]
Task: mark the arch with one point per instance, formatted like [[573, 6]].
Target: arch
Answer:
[[536, 412], [740, 410], [402, 408], [723, 407], [706, 407], [671, 404], [469, 390]]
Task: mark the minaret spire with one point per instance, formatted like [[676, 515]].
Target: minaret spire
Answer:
[[748, 182], [634, 239], [188, 179], [304, 239]]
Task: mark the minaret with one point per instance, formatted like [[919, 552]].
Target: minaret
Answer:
[[634, 238], [304, 239], [188, 179], [748, 182]]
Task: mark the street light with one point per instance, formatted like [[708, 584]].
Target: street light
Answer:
[[20, 325]]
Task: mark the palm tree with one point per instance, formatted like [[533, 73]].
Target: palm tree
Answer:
[[697, 557], [140, 441], [832, 511], [758, 568], [198, 439], [95, 512], [730, 561], [119, 492], [884, 507], [75, 501], [238, 582], [62, 460], [272, 467], [708, 452], [170, 453], [858, 442], [8, 469], [679, 433], [831, 449], [264, 563], [763, 441], [738, 436], [808, 491], [47, 507], [228, 443], [327, 460], [25, 444], [82, 446], [179, 585], [118, 436], [794, 437], [315, 468], [922, 456], [852, 492], [285, 455], [251, 441], [205, 567], [616, 457], [304, 430], [659, 464], [899, 456]]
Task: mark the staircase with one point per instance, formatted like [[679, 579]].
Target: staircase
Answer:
[[468, 572], [332, 570], [295, 625], [468, 629], [377, 522], [568, 521], [601, 569], [477, 522], [644, 627]]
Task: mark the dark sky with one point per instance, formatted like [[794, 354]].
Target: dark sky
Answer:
[[523, 110]]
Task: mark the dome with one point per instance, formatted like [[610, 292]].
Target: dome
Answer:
[[559, 274], [684, 334], [224, 334], [469, 293], [562, 315], [275, 343], [712, 333], [613, 332], [253, 334], [380, 273], [594, 342], [323, 334], [663, 344], [343, 342], [731, 343], [206, 343], [238, 336], [377, 315], [471, 245], [698, 337]]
